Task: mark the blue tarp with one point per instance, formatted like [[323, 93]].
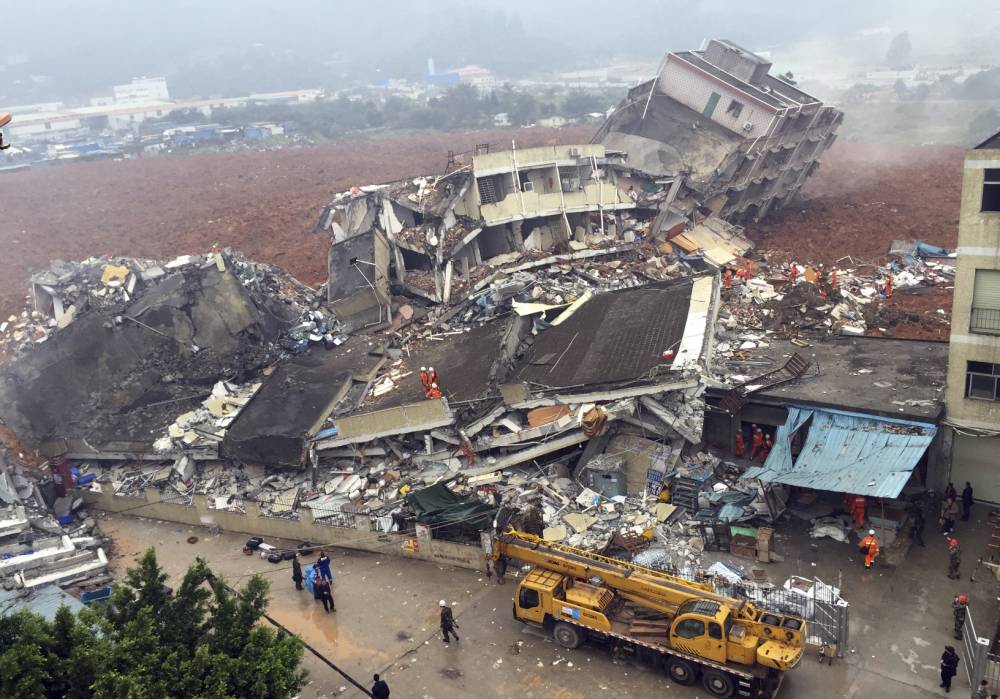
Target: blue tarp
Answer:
[[846, 452]]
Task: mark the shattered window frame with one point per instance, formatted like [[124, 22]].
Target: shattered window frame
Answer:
[[990, 202], [985, 375]]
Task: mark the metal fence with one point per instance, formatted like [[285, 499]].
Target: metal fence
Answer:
[[979, 663], [827, 614]]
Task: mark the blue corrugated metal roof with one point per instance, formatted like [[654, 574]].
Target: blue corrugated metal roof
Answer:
[[846, 452], [44, 600]]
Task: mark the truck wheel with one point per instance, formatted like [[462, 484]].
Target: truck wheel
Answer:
[[567, 635], [718, 684], [681, 671]]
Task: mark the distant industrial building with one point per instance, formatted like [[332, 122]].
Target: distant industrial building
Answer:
[[142, 90]]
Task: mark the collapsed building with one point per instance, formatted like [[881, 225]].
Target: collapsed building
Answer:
[[538, 333], [728, 135]]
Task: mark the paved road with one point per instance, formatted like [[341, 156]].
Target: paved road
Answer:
[[387, 613]]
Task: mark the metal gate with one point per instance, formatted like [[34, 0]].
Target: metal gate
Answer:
[[827, 614], [979, 663]]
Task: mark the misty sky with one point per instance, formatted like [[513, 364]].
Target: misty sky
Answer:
[[216, 47]]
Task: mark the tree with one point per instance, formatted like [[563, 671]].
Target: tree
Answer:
[[898, 55], [203, 641]]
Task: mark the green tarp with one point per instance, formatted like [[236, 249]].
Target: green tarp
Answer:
[[439, 506]]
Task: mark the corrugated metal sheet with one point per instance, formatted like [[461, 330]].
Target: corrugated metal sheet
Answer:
[[44, 600], [846, 452]]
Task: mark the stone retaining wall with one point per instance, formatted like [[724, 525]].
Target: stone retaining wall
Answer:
[[302, 529]]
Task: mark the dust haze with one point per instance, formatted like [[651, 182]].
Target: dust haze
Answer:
[[65, 50]]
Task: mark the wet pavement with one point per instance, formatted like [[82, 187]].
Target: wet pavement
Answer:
[[386, 619]]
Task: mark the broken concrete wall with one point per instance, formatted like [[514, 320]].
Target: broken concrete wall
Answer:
[[110, 377], [358, 285]]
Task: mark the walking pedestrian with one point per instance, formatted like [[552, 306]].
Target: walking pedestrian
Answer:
[[966, 501], [949, 511], [954, 559], [380, 690], [322, 592], [949, 667], [323, 565], [297, 572], [448, 624], [960, 609], [917, 526]]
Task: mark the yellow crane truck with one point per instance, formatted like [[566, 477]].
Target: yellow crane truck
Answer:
[[685, 627]]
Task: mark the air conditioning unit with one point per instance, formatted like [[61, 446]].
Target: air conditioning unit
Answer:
[[528, 186], [748, 126], [574, 152]]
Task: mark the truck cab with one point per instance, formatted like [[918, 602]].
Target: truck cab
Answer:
[[544, 597]]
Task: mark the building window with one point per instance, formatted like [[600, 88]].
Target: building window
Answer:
[[981, 380], [985, 315], [734, 109], [991, 190], [713, 102]]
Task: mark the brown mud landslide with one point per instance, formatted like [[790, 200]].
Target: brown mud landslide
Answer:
[[263, 202], [862, 198]]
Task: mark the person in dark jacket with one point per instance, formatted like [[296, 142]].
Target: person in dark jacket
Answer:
[[950, 492], [949, 667], [966, 501], [380, 690], [448, 624], [322, 592], [323, 565], [297, 572], [917, 526]]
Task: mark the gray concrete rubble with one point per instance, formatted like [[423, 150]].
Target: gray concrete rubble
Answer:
[[46, 536]]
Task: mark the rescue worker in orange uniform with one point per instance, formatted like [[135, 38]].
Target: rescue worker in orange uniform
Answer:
[[794, 273], [424, 379], [756, 442], [833, 278], [869, 547], [888, 285], [729, 278], [856, 505], [741, 445], [766, 449]]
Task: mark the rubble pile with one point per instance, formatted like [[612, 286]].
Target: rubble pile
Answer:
[[776, 302], [45, 534]]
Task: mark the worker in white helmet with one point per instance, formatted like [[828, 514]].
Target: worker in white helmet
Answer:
[[448, 624]]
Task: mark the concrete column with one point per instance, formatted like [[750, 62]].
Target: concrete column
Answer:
[[152, 496]]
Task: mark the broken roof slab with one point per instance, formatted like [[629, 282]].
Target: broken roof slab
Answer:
[[881, 376], [615, 337], [414, 417], [294, 403]]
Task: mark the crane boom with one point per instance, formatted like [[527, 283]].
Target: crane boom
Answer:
[[653, 588]]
